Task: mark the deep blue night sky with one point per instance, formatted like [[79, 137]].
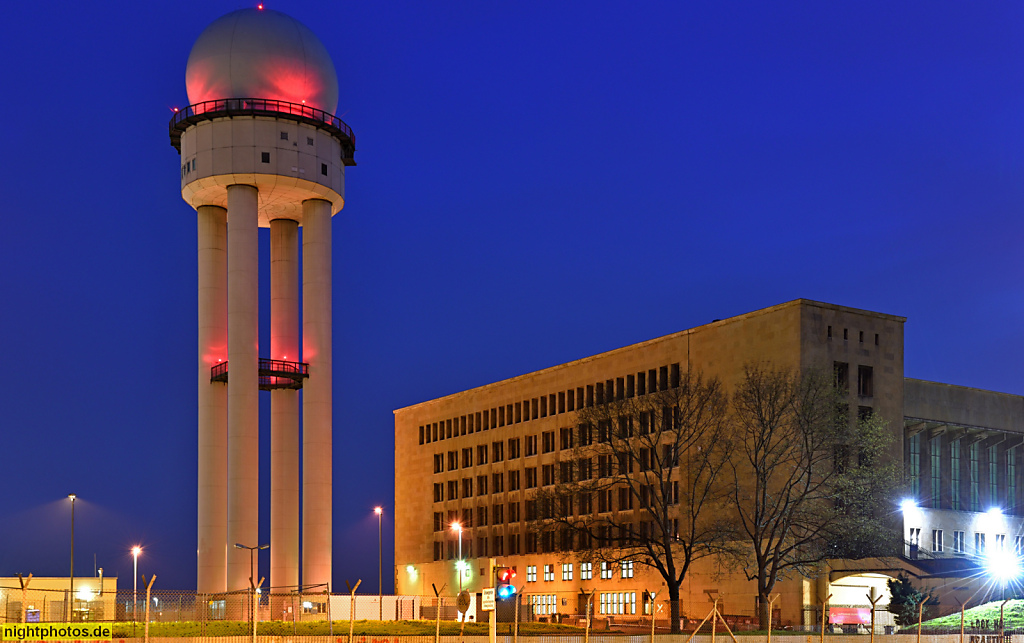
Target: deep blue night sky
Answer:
[[537, 182]]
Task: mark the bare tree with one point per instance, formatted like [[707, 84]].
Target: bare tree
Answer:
[[643, 482], [807, 482]]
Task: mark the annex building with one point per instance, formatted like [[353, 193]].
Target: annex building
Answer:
[[477, 456]]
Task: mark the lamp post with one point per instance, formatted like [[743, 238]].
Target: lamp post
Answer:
[[458, 565], [380, 563], [136, 550], [71, 595], [252, 577]]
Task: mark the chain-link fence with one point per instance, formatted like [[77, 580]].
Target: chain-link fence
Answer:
[[315, 612]]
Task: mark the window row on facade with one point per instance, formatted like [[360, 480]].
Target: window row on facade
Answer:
[[959, 544], [547, 541], [964, 472], [846, 336], [568, 401]]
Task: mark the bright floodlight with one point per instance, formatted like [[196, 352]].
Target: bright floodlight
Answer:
[[136, 550], [456, 526], [995, 512], [908, 505], [1003, 566], [378, 510]]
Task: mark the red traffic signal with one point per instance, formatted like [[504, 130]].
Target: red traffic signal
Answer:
[[504, 589]]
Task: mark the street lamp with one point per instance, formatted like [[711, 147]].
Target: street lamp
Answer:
[[71, 595], [380, 564], [252, 578], [458, 527], [136, 550]]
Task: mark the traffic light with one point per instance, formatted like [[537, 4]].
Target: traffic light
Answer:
[[504, 589]]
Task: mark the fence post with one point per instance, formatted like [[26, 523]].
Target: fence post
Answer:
[[352, 608], [149, 587], [771, 608], [824, 614], [920, 613], [330, 619]]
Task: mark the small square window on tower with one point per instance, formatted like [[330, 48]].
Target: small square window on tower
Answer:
[[265, 157], [309, 140], [323, 169], [284, 136]]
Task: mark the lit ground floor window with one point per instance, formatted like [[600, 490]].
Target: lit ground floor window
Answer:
[[544, 603], [618, 603]]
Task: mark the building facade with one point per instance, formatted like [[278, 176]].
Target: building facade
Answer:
[[477, 458]]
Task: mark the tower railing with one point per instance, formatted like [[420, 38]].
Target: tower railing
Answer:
[[228, 107], [273, 373]]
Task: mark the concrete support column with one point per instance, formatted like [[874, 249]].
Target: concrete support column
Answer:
[[243, 381], [316, 394], [211, 569], [284, 406]]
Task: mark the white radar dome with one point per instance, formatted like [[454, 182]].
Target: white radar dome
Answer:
[[259, 53]]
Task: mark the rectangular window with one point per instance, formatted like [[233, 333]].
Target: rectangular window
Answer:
[[549, 572], [1000, 542], [548, 474], [606, 571], [467, 457], [914, 465], [438, 463], [438, 492], [531, 477], [935, 451], [323, 169], [959, 542], [513, 480], [513, 448], [936, 540], [453, 489], [453, 460], [265, 157], [513, 512], [627, 569], [993, 476], [497, 451], [498, 480], [865, 381], [565, 434], [481, 455], [467, 487], [481, 485], [954, 475], [1011, 479], [531, 573], [586, 571], [973, 479], [531, 445], [566, 571], [498, 513], [548, 442], [979, 544], [481, 516], [1018, 545]]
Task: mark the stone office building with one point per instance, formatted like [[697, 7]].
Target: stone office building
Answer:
[[476, 457]]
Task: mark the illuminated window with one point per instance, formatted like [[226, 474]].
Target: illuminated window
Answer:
[[586, 571], [549, 572], [936, 540], [627, 569], [979, 544], [959, 542], [531, 573], [566, 571], [606, 571]]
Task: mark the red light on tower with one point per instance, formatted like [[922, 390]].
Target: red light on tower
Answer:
[[260, 6]]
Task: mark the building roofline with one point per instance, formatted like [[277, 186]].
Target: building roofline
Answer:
[[650, 342], [965, 388]]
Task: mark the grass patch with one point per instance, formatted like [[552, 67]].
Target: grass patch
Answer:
[[1013, 613], [323, 628]]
